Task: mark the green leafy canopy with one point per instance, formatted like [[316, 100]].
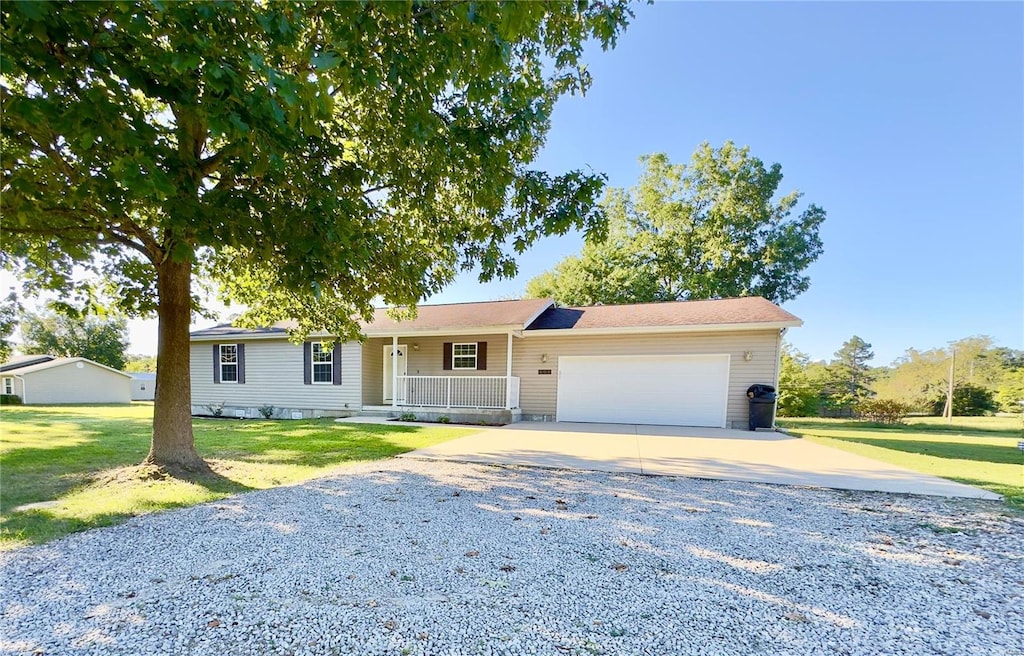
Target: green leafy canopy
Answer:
[[710, 229], [309, 157]]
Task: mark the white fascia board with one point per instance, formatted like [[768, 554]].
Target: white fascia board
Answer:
[[389, 332], [230, 338], [441, 332], [635, 330]]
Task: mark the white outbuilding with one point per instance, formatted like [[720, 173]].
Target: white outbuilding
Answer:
[[45, 380]]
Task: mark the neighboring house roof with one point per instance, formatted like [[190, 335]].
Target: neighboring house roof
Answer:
[[535, 315], [725, 313], [19, 361], [59, 362], [142, 375]]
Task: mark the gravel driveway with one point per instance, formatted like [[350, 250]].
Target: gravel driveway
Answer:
[[414, 557]]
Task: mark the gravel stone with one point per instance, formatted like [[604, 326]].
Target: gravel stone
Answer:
[[416, 557]]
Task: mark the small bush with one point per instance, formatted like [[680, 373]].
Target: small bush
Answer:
[[883, 411], [407, 416], [216, 409], [444, 419], [10, 399], [267, 411]]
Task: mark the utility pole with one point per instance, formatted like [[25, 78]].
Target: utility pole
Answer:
[[948, 411]]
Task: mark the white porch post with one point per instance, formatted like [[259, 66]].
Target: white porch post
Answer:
[[394, 371], [508, 373]]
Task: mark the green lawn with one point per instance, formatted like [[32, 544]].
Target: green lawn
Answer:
[[81, 463], [979, 451]]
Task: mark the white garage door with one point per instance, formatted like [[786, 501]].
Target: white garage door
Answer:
[[683, 390]]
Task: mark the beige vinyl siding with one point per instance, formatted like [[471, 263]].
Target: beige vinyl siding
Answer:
[[538, 392], [373, 371], [67, 383], [274, 376], [428, 359]]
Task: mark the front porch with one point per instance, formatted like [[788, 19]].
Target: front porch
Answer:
[[440, 374]]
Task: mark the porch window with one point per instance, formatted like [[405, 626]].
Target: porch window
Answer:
[[228, 363], [8, 385], [464, 356], [323, 363]]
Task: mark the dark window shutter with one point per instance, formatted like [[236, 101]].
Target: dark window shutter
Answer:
[[216, 363], [307, 363], [240, 349], [336, 364], [481, 355], [447, 360]]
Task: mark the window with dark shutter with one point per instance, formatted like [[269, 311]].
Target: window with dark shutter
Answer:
[[464, 356], [322, 363], [227, 363]]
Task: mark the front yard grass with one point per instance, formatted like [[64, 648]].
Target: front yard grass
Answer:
[[978, 451], [78, 465]]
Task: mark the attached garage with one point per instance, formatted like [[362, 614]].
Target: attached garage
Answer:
[[684, 390]]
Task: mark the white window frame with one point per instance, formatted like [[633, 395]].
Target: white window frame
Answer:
[[8, 385], [329, 361], [475, 355], [222, 364]]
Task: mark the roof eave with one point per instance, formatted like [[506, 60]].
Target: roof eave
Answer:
[[462, 330], [230, 336], [697, 328]]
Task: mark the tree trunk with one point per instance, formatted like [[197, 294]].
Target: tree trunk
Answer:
[[173, 446]]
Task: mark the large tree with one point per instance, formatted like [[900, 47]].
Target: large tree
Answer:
[[9, 310], [849, 375], [799, 390], [309, 157], [102, 340], [714, 228]]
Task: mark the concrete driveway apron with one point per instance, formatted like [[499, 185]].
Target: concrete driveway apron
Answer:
[[760, 457]]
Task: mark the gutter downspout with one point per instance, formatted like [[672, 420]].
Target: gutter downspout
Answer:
[[508, 373], [778, 372], [394, 371]]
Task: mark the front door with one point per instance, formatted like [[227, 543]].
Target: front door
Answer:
[[393, 359]]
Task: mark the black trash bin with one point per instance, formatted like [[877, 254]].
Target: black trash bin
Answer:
[[762, 406]]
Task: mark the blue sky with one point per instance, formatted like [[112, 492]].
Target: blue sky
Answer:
[[903, 121]]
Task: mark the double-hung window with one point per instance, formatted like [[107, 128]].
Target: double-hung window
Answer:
[[8, 385], [464, 356], [323, 363], [228, 363]]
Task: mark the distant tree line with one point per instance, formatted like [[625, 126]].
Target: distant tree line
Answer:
[[986, 379]]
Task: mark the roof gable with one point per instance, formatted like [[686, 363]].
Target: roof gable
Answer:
[[60, 362]]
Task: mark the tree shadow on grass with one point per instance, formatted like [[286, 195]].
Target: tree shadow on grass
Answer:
[[307, 444], [105, 462], [48, 520], [953, 450]]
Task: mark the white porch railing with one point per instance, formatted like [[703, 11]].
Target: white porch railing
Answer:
[[458, 391]]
